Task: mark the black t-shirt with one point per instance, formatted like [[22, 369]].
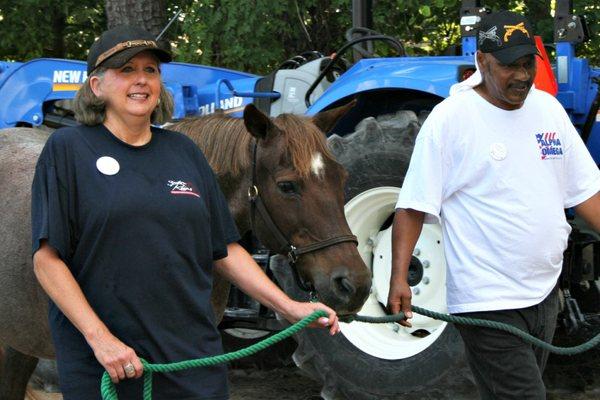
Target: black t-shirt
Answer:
[[140, 242]]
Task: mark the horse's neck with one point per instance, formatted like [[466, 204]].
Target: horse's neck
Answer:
[[235, 190]]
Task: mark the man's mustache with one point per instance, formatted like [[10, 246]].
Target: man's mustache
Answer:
[[521, 84]]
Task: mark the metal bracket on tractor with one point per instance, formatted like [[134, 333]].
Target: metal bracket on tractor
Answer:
[[471, 13], [247, 313], [568, 27], [581, 269]]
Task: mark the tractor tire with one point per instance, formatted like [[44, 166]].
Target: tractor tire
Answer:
[[383, 361], [578, 372], [276, 356]]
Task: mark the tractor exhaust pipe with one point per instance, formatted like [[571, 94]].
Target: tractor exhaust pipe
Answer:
[[362, 17]]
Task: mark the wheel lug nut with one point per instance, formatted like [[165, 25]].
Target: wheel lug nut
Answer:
[[416, 291], [425, 264], [417, 252], [372, 241], [426, 280]]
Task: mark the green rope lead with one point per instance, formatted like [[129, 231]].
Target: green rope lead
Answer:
[[565, 351], [109, 391]]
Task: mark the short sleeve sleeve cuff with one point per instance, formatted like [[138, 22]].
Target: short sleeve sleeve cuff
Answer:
[[221, 251], [432, 215], [584, 195], [582, 176], [49, 216]]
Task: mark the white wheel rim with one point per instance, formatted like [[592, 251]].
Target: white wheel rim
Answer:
[[366, 213], [246, 334]]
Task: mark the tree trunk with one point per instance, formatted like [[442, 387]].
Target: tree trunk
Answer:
[[58, 19], [149, 15]]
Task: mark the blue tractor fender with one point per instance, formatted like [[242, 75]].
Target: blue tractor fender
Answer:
[[25, 87], [430, 75]]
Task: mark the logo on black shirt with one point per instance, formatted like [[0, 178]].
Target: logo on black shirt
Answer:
[[182, 188]]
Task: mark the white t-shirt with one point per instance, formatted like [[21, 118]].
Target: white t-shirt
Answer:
[[500, 181]]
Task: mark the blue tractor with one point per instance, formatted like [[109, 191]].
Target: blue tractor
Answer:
[[374, 142]]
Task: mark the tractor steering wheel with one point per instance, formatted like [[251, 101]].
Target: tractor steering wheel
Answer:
[[368, 38], [364, 32]]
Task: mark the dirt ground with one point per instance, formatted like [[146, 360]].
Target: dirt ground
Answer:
[[566, 378], [288, 383]]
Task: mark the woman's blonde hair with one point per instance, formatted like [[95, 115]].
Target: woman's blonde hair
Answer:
[[91, 110]]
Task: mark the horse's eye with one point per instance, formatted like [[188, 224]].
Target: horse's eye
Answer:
[[287, 187]]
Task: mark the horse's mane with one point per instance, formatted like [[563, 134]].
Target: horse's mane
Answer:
[[227, 144]]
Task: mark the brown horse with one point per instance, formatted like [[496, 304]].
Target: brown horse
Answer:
[[300, 184], [302, 187]]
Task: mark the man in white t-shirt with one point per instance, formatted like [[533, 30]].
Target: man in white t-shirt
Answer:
[[497, 163]]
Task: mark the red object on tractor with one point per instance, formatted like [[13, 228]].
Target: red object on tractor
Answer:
[[544, 78]]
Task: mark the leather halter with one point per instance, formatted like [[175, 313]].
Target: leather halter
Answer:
[[286, 247]]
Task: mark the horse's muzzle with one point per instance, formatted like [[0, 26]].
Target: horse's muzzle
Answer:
[[344, 291]]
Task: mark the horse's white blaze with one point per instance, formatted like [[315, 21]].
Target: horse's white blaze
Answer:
[[317, 165]]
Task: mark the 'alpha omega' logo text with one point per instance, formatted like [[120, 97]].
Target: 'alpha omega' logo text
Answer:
[[549, 145]]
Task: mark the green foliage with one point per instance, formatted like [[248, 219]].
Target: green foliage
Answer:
[[433, 29], [54, 28], [591, 48], [47, 28], [258, 35]]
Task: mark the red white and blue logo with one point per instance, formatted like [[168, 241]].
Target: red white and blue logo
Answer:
[[549, 145], [181, 188]]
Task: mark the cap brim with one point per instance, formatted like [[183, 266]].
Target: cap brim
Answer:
[[512, 54], [119, 59]]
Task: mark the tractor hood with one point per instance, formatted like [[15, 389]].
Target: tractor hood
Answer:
[[432, 75]]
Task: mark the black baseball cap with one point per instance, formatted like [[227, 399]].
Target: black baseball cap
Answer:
[[506, 35], [118, 45]]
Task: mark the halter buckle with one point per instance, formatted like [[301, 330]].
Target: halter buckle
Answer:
[[292, 255], [252, 192]]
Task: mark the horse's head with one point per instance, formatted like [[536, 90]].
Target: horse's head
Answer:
[[302, 188]]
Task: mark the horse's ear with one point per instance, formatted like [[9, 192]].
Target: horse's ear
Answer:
[[257, 123], [326, 120]]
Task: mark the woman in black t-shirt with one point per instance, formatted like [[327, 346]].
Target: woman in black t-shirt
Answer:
[[127, 221]]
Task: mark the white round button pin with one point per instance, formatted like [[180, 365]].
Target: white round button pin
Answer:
[[107, 165], [498, 151]]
